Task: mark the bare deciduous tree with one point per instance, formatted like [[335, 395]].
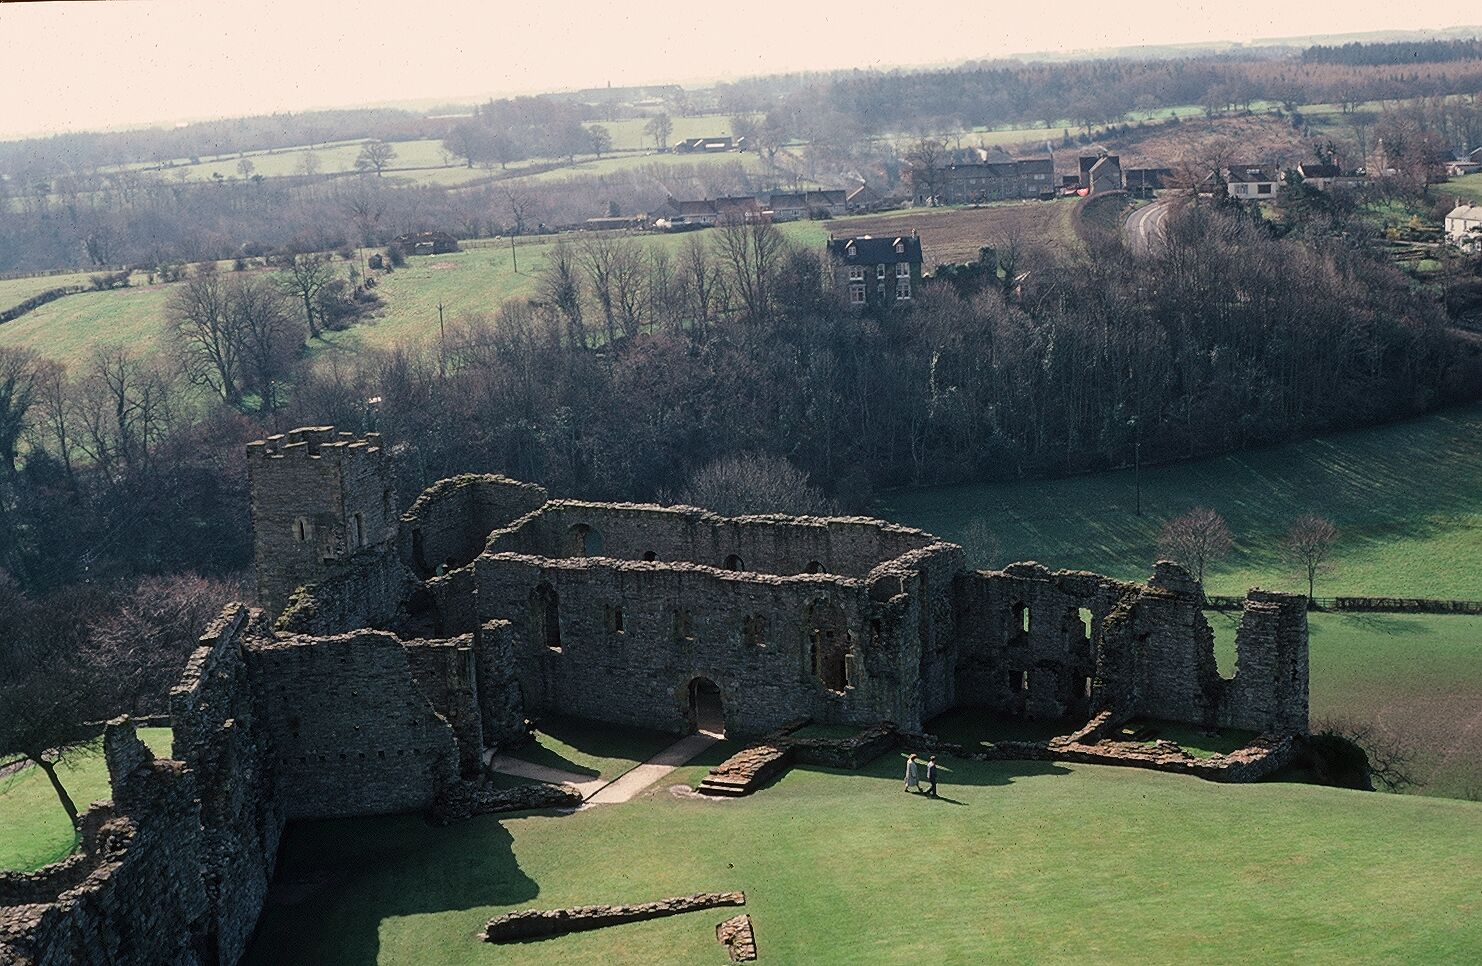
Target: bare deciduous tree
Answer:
[[1196, 539], [375, 156], [270, 336], [1308, 544], [751, 251], [302, 276], [754, 483], [659, 127], [198, 329], [20, 372], [560, 289]]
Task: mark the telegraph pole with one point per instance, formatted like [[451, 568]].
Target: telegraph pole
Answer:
[[512, 256], [442, 345]]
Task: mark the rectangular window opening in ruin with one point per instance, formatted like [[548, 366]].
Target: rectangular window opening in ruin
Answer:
[[683, 626], [1021, 618], [1086, 619], [1086, 683], [358, 527], [1024, 682], [754, 631]]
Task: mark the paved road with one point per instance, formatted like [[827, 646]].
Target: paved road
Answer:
[[1145, 225]]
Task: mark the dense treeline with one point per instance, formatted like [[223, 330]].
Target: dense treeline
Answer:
[[44, 158], [1398, 52]]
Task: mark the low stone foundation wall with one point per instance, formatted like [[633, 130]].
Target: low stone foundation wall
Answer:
[[738, 937], [540, 923], [755, 765], [469, 799]]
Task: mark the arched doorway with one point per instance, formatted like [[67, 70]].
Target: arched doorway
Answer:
[[707, 707]]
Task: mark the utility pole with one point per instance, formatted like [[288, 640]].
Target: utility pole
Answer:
[[513, 257], [442, 345]]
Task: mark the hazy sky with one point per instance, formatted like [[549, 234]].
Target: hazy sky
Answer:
[[71, 66]]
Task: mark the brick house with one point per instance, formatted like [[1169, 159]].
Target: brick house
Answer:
[[870, 271]]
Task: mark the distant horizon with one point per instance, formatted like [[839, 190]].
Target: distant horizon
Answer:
[[151, 64]]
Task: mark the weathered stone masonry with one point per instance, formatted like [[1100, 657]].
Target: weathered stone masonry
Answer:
[[394, 652]]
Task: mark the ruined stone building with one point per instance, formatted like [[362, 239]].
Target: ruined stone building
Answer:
[[393, 651]]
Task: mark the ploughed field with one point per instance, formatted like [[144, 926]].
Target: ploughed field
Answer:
[[1407, 499], [1018, 862]]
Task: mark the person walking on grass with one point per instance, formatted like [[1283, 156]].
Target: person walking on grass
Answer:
[[931, 775], [912, 782]]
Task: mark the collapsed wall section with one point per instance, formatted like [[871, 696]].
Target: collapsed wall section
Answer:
[[1027, 636], [770, 544], [1269, 690], [134, 893]]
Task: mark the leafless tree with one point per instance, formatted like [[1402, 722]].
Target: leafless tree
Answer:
[[659, 127], [199, 331], [308, 164], [375, 156], [560, 289], [245, 167], [122, 409], [926, 158], [751, 252], [754, 483], [1196, 539], [1391, 760], [1308, 544], [20, 372], [701, 284], [303, 276], [270, 336]]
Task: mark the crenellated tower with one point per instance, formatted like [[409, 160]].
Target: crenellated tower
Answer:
[[323, 504]]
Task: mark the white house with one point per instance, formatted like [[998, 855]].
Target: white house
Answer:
[[1464, 227], [1247, 181]]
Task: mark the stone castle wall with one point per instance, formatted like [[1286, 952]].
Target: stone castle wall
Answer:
[[352, 732], [769, 544], [451, 521]]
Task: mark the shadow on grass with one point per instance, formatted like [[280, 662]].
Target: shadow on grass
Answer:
[[593, 740], [378, 869]]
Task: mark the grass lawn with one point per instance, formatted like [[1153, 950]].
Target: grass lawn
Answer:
[[1467, 187], [36, 829], [1017, 862], [1406, 497], [14, 291], [591, 749], [70, 328]]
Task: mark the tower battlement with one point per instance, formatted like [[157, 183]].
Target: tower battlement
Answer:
[[315, 442]]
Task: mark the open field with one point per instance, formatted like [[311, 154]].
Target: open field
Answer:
[[1407, 498], [36, 830], [1017, 862], [956, 234], [14, 291], [1468, 188], [70, 328]]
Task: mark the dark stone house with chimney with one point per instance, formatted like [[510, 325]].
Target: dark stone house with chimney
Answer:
[[875, 271]]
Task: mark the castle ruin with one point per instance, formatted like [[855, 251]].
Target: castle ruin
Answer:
[[392, 653]]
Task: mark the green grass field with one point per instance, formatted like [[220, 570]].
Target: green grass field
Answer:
[[35, 827], [1468, 187], [1406, 497], [1017, 862]]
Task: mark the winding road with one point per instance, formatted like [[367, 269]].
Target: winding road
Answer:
[[1145, 225]]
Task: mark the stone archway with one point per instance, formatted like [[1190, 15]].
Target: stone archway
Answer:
[[707, 707]]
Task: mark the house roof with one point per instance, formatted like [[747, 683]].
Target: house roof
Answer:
[[865, 250], [1476, 155], [1466, 212], [1313, 169], [787, 199], [828, 196], [690, 209], [1106, 165], [1251, 173]]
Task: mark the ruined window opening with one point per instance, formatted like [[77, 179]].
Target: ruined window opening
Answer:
[[734, 562], [754, 631], [1084, 616], [301, 530], [1024, 682], [1021, 617], [614, 618], [1086, 685], [545, 616], [358, 527], [876, 632], [814, 567], [585, 540], [386, 502], [649, 555], [684, 629], [830, 643]]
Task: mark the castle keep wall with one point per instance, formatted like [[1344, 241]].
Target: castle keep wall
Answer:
[[352, 732], [1269, 690], [630, 637]]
